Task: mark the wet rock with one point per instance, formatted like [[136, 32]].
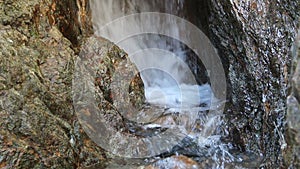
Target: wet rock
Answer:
[[180, 162], [254, 41], [120, 86], [292, 135], [39, 128]]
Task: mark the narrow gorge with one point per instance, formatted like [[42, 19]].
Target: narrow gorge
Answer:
[[151, 84]]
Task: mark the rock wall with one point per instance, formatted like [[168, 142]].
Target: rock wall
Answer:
[[254, 39], [39, 129], [292, 135], [39, 42]]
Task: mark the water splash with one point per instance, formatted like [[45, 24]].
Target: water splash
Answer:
[[169, 82], [166, 56]]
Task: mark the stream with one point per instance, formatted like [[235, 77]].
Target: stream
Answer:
[[181, 114]]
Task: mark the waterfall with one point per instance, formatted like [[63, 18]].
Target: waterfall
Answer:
[[161, 60], [164, 48]]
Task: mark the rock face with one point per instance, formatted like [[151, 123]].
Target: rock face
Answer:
[[256, 38], [292, 153], [39, 42], [38, 126]]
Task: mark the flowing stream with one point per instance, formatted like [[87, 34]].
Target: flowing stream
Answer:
[[167, 78], [170, 82]]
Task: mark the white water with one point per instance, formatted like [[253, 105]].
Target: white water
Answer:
[[167, 78], [182, 95]]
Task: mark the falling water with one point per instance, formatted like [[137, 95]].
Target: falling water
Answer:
[[163, 73], [162, 61]]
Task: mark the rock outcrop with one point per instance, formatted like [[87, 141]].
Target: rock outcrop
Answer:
[[40, 41], [292, 134], [38, 126], [256, 38]]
